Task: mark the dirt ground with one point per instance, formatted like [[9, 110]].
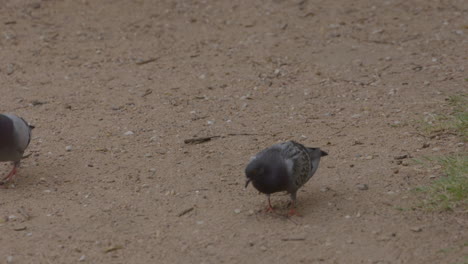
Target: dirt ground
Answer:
[[114, 87]]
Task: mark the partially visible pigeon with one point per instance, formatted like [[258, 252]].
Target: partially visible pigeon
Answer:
[[283, 167], [15, 135]]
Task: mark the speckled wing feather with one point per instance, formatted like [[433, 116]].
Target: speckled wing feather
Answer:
[[298, 161]]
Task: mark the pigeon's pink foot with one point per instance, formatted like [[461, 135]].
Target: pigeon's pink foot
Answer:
[[9, 176], [294, 212], [269, 209]]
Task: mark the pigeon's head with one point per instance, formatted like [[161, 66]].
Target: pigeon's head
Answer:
[[255, 170]]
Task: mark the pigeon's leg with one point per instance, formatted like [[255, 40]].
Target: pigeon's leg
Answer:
[[12, 173], [270, 208], [292, 211]]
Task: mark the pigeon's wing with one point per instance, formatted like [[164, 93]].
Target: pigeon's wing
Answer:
[[21, 134], [298, 163]]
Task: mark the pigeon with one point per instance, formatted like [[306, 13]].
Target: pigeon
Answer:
[[15, 135], [284, 166]]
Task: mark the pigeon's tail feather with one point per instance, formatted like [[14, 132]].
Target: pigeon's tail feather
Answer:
[[316, 153]]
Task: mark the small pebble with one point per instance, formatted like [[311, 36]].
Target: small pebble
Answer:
[[68, 148], [10, 69], [362, 187], [416, 229], [263, 248], [128, 133], [9, 259], [237, 211], [82, 258], [11, 217]]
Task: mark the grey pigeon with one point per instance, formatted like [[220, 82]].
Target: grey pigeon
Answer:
[[283, 167], [15, 135]]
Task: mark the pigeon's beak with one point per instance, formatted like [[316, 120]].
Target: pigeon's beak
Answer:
[[247, 182], [31, 127]]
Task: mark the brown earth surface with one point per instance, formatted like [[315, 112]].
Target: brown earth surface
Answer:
[[352, 77]]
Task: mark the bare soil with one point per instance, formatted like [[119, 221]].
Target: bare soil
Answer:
[[354, 78]]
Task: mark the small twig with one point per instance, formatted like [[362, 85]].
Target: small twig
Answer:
[[142, 62], [26, 156], [339, 130], [384, 68], [113, 248], [147, 92], [244, 134], [200, 140], [186, 211], [293, 239]]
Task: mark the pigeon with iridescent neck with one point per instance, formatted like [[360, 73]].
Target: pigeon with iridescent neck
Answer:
[[285, 166]]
